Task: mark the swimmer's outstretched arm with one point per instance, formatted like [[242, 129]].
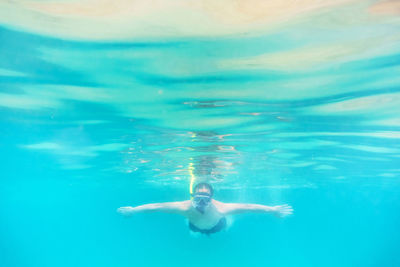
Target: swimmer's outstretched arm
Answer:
[[237, 208], [179, 207]]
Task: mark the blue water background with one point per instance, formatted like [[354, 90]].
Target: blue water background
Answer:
[[87, 127]]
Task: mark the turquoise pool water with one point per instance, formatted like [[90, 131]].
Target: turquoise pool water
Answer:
[[306, 114]]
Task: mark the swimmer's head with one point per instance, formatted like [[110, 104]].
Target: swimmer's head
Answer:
[[203, 189], [202, 196]]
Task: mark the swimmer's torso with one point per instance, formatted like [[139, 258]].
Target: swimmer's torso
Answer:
[[206, 220]]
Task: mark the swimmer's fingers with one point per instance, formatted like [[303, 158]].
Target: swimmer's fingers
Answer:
[[287, 210], [284, 210]]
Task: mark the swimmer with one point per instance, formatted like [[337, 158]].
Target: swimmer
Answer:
[[205, 214]]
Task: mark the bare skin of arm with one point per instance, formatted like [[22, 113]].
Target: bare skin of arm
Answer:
[[179, 207], [238, 208]]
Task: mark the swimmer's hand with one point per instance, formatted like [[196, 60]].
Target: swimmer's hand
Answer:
[[126, 211], [282, 210]]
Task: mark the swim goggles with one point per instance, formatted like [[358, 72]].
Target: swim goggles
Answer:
[[201, 199]]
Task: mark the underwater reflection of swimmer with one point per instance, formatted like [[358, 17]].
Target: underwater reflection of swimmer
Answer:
[[206, 215]]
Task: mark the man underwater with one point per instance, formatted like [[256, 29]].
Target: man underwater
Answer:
[[205, 214]]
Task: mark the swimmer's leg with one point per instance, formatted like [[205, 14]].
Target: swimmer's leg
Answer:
[[195, 234], [229, 222]]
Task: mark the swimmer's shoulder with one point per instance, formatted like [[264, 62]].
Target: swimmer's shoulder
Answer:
[[185, 205], [220, 206]]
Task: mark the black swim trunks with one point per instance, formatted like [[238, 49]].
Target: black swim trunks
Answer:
[[218, 227]]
